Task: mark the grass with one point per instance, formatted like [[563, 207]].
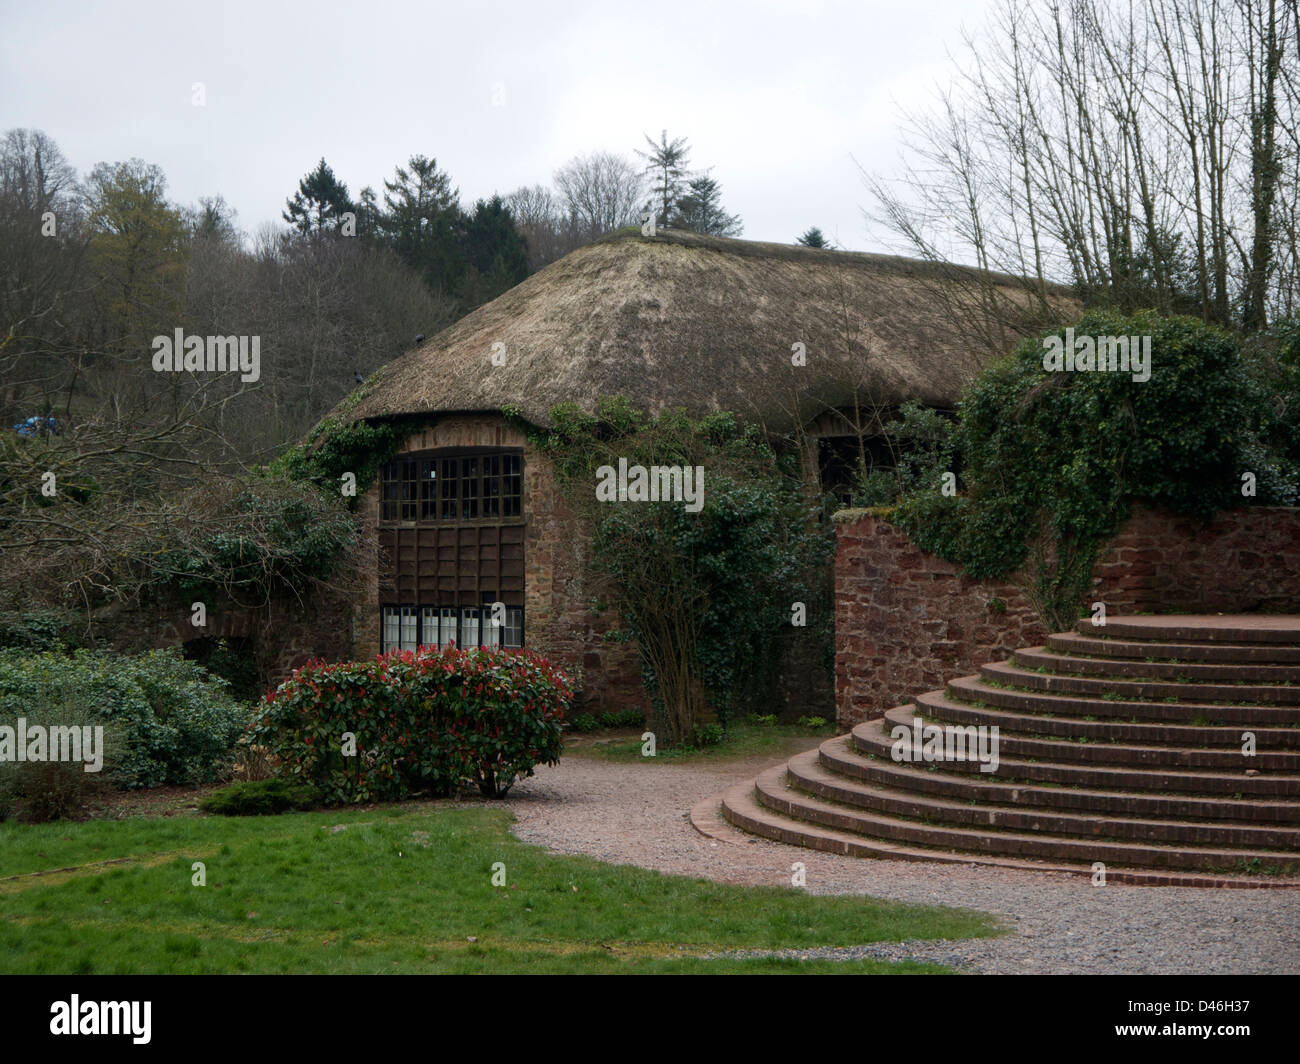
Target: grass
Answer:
[[402, 890], [743, 739]]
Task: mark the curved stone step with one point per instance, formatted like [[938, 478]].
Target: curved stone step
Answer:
[[1044, 657], [782, 799], [845, 756], [1120, 745], [1236, 629], [1013, 675], [806, 773], [1083, 642], [741, 809], [974, 689], [940, 706], [1102, 777], [1104, 752]]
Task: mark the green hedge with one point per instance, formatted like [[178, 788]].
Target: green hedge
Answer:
[[429, 720], [174, 723]]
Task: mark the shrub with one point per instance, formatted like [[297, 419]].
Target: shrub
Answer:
[[624, 718], [812, 722], [432, 719], [173, 722], [36, 629], [50, 789], [765, 720], [709, 734], [260, 798]]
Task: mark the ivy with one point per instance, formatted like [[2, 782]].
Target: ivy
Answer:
[[704, 595], [275, 536], [335, 448], [1052, 461]]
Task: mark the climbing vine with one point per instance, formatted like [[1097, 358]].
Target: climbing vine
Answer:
[[1052, 461], [336, 446], [703, 594]]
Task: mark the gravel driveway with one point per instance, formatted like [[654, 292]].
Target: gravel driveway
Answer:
[[638, 814]]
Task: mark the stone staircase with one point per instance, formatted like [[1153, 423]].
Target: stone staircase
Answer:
[[1120, 744]]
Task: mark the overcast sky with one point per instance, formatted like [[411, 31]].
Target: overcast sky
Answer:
[[778, 97]]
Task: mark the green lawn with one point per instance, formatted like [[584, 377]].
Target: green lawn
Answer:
[[397, 889]]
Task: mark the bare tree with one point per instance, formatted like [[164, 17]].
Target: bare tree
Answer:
[[601, 190], [1144, 153], [550, 231]]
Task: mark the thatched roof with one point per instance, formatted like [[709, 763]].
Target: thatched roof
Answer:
[[705, 323]]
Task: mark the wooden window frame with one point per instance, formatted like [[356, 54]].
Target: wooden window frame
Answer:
[[453, 486], [438, 626]]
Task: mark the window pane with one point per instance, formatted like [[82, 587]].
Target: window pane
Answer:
[[469, 488], [391, 632], [448, 489], [511, 486], [428, 627], [428, 490], [409, 628], [447, 633], [409, 488], [388, 510], [491, 631], [514, 632], [469, 627], [492, 485]]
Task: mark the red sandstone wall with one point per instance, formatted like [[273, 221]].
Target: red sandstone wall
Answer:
[[907, 621], [282, 634]]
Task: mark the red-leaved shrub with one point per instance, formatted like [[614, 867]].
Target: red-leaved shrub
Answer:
[[433, 719]]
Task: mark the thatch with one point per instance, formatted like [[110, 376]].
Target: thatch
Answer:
[[704, 323]]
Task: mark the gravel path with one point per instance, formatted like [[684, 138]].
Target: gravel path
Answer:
[[638, 814]]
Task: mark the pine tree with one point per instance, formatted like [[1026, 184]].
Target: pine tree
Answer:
[[423, 221], [666, 168], [369, 215], [497, 255], [813, 239], [700, 209], [320, 202]]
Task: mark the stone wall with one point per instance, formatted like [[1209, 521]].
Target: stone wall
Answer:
[[281, 635], [907, 621]]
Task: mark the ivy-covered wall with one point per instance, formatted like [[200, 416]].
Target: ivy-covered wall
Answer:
[[906, 621]]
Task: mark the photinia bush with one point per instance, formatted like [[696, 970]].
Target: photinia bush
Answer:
[[432, 719]]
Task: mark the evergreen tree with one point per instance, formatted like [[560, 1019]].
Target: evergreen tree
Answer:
[[319, 203], [213, 219], [666, 168], [813, 239], [700, 209], [497, 256], [369, 215], [423, 222]]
